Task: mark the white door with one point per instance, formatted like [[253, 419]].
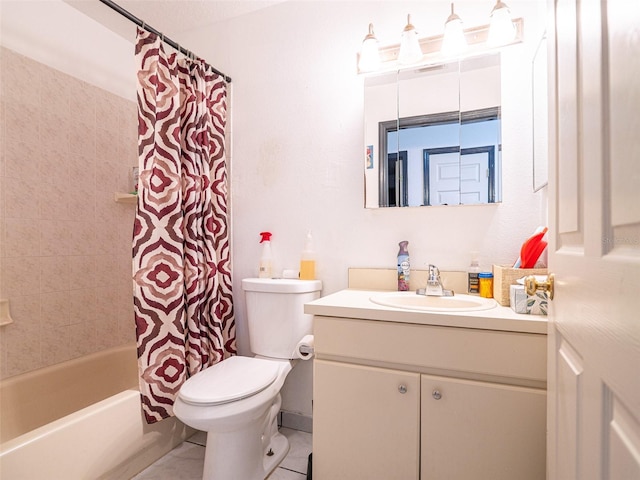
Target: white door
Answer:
[[594, 215], [444, 178]]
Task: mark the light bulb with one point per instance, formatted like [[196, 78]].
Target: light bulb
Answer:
[[410, 51], [501, 28], [454, 40], [369, 60]]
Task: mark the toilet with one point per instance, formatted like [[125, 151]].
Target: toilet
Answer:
[[237, 400]]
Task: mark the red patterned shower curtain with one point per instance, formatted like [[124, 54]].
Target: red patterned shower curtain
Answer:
[[181, 247]]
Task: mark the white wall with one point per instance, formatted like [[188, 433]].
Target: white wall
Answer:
[[297, 149], [54, 33]]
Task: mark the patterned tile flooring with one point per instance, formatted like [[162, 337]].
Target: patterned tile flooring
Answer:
[[185, 461]]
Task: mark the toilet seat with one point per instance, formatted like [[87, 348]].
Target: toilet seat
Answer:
[[232, 379]]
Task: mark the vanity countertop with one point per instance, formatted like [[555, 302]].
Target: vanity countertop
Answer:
[[351, 303]]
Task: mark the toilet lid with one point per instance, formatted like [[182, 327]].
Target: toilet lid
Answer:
[[229, 380]]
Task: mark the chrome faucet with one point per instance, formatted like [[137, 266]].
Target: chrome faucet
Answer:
[[434, 285]]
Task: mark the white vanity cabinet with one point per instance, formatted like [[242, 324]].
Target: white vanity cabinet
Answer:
[[403, 401], [368, 423], [477, 430]]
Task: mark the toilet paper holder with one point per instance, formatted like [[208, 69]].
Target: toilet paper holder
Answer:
[[306, 349]]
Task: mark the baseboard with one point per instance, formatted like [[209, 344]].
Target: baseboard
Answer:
[[296, 421]]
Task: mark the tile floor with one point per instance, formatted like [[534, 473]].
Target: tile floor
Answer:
[[185, 461]]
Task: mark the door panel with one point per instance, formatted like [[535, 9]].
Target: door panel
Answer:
[[624, 440], [594, 247]]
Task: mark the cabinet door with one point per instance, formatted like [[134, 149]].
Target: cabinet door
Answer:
[[365, 422], [477, 430]]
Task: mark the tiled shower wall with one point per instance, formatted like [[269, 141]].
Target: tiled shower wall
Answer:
[[65, 245]]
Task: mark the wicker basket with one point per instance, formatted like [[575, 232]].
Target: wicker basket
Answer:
[[504, 276]]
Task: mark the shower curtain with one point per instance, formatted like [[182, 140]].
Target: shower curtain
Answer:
[[181, 248]]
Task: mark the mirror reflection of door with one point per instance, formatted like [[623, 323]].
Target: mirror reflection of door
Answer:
[[450, 159], [459, 177]]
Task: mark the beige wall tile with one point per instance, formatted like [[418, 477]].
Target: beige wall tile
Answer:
[[55, 308], [23, 349], [82, 305], [26, 310], [22, 238], [54, 94], [65, 263], [21, 200], [22, 160], [82, 271], [54, 274], [54, 237], [53, 201]]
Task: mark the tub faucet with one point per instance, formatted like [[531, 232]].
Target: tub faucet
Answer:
[[434, 285]]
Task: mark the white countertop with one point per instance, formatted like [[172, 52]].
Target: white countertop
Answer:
[[356, 304]]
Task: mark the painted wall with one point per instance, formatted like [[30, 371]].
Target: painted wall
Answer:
[[297, 144]]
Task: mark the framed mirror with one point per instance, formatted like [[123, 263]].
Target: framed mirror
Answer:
[[432, 135]]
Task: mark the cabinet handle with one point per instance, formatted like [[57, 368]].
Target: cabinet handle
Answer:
[[402, 389], [436, 394]]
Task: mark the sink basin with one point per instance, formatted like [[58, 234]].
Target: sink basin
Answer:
[[412, 301]]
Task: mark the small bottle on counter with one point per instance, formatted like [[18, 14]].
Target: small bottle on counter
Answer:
[[474, 270], [486, 284]]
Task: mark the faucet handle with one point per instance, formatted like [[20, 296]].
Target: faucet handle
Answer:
[[434, 273]]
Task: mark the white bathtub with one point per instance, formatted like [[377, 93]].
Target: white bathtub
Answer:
[[106, 438]]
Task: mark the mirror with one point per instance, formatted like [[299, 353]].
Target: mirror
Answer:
[[432, 135], [540, 113]]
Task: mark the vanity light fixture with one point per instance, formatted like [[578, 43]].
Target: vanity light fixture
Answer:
[[454, 41], [369, 59], [410, 51], [501, 28], [414, 52]]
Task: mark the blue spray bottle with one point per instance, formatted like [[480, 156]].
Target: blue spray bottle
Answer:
[[404, 268]]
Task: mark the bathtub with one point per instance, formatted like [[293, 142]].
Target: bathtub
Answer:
[[80, 419]]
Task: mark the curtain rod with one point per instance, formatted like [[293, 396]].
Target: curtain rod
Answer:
[[128, 15]]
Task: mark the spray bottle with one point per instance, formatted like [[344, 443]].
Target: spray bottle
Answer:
[[404, 268], [265, 260], [308, 260]]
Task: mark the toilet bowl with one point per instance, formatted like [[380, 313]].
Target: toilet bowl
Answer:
[[237, 401], [243, 441]]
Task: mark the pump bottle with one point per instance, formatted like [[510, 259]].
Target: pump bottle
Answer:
[[308, 260], [265, 260]]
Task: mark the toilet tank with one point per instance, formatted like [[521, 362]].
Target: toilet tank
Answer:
[[275, 313]]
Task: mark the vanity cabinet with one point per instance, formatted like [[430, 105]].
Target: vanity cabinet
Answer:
[[368, 422], [404, 401], [474, 430]]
